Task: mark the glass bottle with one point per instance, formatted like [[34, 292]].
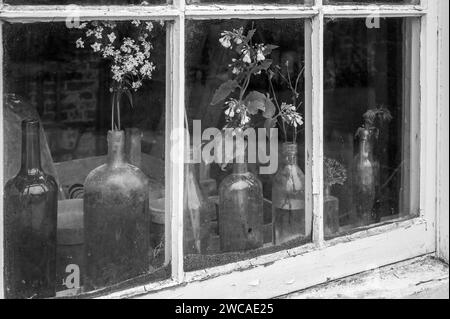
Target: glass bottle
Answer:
[[31, 200], [330, 212], [116, 219], [241, 215], [197, 213], [288, 197], [365, 171], [133, 146]]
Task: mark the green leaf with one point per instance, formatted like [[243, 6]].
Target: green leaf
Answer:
[[264, 66], [270, 108], [224, 91], [250, 34], [130, 97], [255, 101], [269, 48]]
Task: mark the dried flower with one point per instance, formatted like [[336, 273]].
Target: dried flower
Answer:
[[334, 173]]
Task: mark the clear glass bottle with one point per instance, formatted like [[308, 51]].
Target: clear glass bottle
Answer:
[[241, 215], [31, 203], [330, 213], [288, 197], [365, 172], [116, 219], [197, 213]]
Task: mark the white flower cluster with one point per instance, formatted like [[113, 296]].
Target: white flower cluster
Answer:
[[237, 112], [130, 58], [249, 54], [290, 115]]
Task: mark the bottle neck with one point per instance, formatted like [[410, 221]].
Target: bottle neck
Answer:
[[31, 150], [116, 148], [289, 151], [240, 168]]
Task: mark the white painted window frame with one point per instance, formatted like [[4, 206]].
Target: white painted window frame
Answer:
[[314, 263]]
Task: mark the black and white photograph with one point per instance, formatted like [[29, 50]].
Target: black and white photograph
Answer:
[[246, 152]]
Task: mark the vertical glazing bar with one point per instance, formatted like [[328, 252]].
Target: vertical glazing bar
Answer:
[[308, 127], [314, 126], [169, 103], [2, 288], [175, 191], [429, 115]]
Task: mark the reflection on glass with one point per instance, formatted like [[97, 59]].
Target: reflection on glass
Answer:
[[242, 77], [79, 84], [367, 120]]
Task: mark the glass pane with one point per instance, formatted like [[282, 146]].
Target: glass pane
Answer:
[[95, 229], [305, 2], [84, 2], [244, 75], [368, 124]]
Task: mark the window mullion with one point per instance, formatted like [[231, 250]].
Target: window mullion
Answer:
[[175, 146], [314, 125]]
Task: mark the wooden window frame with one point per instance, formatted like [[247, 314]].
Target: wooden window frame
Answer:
[[295, 269]]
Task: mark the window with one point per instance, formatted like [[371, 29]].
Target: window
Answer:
[[357, 74]]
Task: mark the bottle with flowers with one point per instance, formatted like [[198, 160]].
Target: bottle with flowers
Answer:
[[240, 193], [334, 174], [288, 185], [116, 213]]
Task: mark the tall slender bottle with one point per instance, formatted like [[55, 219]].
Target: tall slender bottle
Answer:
[[288, 198], [31, 203], [365, 172]]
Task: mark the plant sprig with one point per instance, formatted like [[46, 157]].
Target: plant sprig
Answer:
[[130, 58], [251, 59], [288, 114]]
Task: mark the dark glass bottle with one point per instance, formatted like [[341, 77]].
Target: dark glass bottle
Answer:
[[288, 197], [116, 219], [241, 214], [31, 203]]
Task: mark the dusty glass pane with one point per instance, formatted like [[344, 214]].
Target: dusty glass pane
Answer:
[[85, 2], [95, 229], [238, 76], [368, 125]]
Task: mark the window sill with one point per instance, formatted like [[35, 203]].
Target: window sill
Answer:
[[418, 278]]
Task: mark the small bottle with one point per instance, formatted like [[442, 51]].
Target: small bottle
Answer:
[[330, 213], [241, 214], [288, 198], [31, 203]]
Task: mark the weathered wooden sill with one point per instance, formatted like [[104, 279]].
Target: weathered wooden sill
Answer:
[[419, 278]]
